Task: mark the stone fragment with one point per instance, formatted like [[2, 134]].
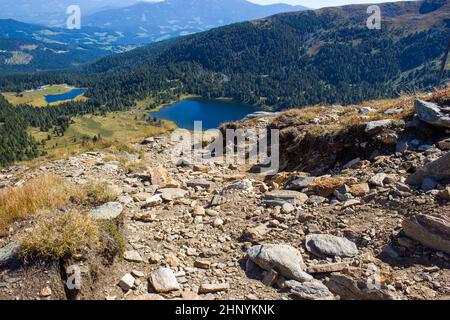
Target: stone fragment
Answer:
[[329, 245], [108, 211], [163, 280]]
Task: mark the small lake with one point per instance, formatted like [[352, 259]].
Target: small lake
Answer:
[[72, 94], [211, 113]]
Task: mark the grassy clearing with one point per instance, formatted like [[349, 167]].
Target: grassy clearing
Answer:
[[117, 131], [58, 234], [37, 98], [41, 193]]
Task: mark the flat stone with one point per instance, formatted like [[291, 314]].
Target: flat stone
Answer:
[[163, 280], [212, 288], [205, 184], [329, 245], [202, 264], [327, 268], [153, 201], [284, 259], [350, 203], [132, 256], [286, 196], [108, 211], [431, 231], [311, 290], [257, 233], [173, 193]]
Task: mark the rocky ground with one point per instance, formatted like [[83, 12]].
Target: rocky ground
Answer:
[[375, 227]]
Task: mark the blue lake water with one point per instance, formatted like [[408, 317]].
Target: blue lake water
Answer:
[[72, 94], [211, 113]]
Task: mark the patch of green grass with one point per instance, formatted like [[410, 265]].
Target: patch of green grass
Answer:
[[37, 98], [111, 229], [116, 130]]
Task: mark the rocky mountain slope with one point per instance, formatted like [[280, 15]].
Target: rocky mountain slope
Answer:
[[371, 222]]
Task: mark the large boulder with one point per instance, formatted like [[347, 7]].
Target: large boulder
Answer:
[[284, 259], [430, 113], [438, 170], [431, 231], [329, 245]]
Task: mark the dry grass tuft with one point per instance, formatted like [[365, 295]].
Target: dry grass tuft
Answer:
[[95, 193], [44, 192], [59, 234]]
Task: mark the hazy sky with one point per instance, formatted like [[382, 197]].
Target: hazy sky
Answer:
[[319, 3]]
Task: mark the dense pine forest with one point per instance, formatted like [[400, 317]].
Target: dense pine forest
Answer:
[[285, 61]]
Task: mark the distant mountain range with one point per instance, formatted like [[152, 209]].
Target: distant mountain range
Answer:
[[52, 13], [149, 22], [26, 47]]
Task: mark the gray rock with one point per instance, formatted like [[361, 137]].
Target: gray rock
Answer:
[[378, 180], [375, 127], [349, 288], [316, 199], [164, 280], [431, 113], [205, 184], [311, 290], [393, 111], [127, 282], [438, 169], [133, 256], [432, 232], [174, 193], [108, 211], [284, 259], [366, 110], [329, 245], [299, 183], [290, 196], [8, 254]]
